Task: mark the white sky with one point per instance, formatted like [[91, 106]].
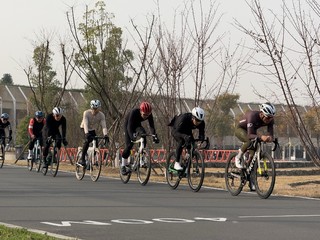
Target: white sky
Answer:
[[21, 21]]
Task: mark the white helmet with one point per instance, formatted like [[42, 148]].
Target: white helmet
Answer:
[[95, 104], [57, 111], [198, 113], [268, 109]]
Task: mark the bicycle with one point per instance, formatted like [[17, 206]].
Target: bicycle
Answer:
[[53, 159], [193, 167], [93, 161], [3, 151], [139, 162], [261, 171], [37, 158]]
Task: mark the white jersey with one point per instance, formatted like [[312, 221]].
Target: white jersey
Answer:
[[91, 122]]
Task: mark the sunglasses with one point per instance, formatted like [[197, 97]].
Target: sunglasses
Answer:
[[145, 115]]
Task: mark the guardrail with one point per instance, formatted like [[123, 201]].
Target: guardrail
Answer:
[[158, 155]]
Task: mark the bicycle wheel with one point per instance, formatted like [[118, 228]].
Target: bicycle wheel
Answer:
[[46, 162], [54, 166], [2, 156], [172, 175], [232, 176], [95, 165], [196, 171], [38, 159], [144, 168], [125, 178], [80, 171], [265, 178], [31, 161]]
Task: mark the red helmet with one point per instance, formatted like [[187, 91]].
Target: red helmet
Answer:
[[145, 107]]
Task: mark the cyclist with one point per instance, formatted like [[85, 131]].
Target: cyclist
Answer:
[[90, 122], [35, 131], [4, 123], [51, 130], [248, 126], [182, 126], [133, 127]]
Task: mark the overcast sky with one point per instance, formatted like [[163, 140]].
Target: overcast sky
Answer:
[[22, 20]]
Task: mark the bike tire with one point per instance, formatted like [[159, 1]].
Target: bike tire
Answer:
[[196, 171], [125, 178], [30, 163], [80, 171], [2, 158], [95, 165], [172, 175], [55, 161], [233, 176], [44, 170], [264, 181], [38, 159], [143, 172]]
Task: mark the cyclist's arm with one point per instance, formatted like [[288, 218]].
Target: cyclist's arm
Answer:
[[151, 124], [85, 122], [64, 126], [103, 123], [30, 127]]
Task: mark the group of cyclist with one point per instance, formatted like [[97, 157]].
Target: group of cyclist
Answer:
[[182, 129]]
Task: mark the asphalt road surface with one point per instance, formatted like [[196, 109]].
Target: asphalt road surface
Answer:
[[109, 209]]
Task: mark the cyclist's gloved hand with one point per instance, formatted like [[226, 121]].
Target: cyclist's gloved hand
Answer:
[[156, 139], [10, 138], [65, 142], [106, 139]]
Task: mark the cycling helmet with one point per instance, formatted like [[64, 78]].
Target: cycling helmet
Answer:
[[198, 113], [57, 111], [268, 109], [39, 114], [5, 115], [95, 104], [145, 107]]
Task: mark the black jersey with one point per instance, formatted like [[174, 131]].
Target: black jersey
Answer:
[[182, 125], [51, 127], [133, 121], [3, 126]]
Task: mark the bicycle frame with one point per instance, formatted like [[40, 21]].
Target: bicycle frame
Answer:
[[261, 177], [94, 161], [141, 155]]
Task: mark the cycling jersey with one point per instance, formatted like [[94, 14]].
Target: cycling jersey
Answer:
[[133, 121], [3, 126], [252, 122], [35, 127], [51, 128], [182, 126], [92, 121]]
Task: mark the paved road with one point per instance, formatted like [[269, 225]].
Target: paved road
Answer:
[[109, 209]]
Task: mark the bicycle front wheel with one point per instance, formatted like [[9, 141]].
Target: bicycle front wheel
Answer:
[[196, 171], [95, 165], [38, 159], [54, 166], [80, 171], [144, 168], [2, 156], [265, 177], [233, 176], [125, 177], [172, 175], [30, 162]]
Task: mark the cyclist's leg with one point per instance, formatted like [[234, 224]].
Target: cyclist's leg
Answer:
[[242, 135], [30, 148], [85, 146], [180, 143], [125, 154]]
